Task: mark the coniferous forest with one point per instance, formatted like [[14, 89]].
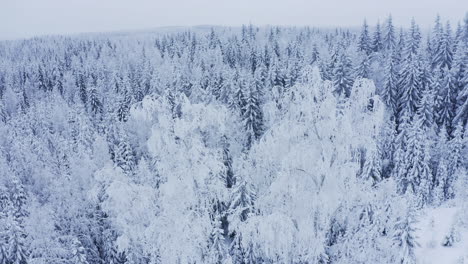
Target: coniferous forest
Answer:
[[236, 145]]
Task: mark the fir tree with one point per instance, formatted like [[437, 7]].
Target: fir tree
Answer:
[[372, 168], [426, 109], [462, 109], [79, 253], [315, 56], [124, 157], [17, 249], [455, 158], [95, 103], [124, 107], [413, 39], [389, 39], [436, 41], [410, 83], [217, 251], [342, 80], [390, 88], [417, 176], [252, 117], [446, 102], [242, 200], [364, 41], [444, 53], [405, 238], [377, 44], [363, 68], [459, 74]]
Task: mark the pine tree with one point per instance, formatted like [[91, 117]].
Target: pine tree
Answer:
[[462, 109], [17, 249], [405, 238], [410, 83], [81, 84], [455, 158], [217, 251], [124, 157], [436, 41], [446, 102], [237, 100], [413, 39], [444, 53], [102, 233], [453, 236], [252, 116], [17, 252], [459, 74], [364, 41], [390, 89], [94, 102], [123, 108], [242, 200], [342, 80], [417, 176], [389, 39], [79, 253], [377, 44], [227, 161], [426, 109], [363, 68], [440, 185], [5, 209], [315, 56], [372, 168]]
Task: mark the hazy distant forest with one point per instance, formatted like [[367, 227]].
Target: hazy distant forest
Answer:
[[243, 145]]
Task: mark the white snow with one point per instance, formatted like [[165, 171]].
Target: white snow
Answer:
[[434, 225]]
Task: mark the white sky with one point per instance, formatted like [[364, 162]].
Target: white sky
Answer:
[[26, 18]]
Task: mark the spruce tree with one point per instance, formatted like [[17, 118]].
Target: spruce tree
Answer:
[[417, 178], [17, 250], [252, 116], [410, 83], [79, 253], [446, 102], [440, 164], [389, 39], [364, 41], [455, 158], [390, 86], [342, 80], [377, 44], [217, 252], [436, 41], [372, 169], [413, 39], [405, 238], [124, 157], [5, 210], [444, 54], [94, 102], [242, 200], [459, 74], [363, 68], [426, 109]]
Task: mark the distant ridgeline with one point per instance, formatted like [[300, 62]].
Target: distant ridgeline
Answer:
[[223, 145]]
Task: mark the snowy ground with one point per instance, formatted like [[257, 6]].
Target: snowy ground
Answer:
[[433, 227]]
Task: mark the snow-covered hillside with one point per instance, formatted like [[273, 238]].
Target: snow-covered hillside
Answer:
[[291, 145], [442, 236]]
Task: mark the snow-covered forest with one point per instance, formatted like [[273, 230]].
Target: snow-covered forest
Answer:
[[236, 145]]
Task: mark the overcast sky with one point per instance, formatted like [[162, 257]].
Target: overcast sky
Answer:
[[26, 18]]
